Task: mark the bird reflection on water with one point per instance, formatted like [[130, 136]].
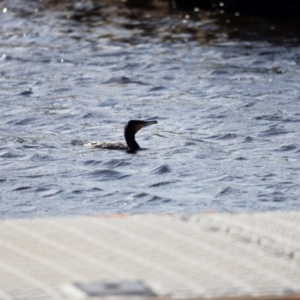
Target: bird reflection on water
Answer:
[[131, 128]]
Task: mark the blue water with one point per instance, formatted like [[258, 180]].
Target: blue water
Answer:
[[228, 114]]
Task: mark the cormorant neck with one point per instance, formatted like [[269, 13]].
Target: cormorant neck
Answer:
[[131, 142]]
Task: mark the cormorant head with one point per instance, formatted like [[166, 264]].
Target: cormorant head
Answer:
[[131, 128], [135, 125]]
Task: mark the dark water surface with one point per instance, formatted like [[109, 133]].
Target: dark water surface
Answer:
[[228, 114]]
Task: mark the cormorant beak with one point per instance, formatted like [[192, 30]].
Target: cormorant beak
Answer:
[[145, 123]]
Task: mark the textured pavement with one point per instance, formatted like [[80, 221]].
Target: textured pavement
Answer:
[[204, 255]]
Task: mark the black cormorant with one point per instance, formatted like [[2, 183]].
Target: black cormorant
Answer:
[[131, 128]]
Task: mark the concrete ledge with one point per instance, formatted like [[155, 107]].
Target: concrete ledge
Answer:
[[216, 256], [291, 297]]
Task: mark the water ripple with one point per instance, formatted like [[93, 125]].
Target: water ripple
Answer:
[[106, 174], [159, 184], [287, 148], [160, 170], [123, 80]]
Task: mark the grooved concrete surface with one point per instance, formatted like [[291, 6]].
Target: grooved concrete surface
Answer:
[[205, 255]]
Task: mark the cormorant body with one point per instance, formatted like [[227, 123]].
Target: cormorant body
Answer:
[[131, 128]]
